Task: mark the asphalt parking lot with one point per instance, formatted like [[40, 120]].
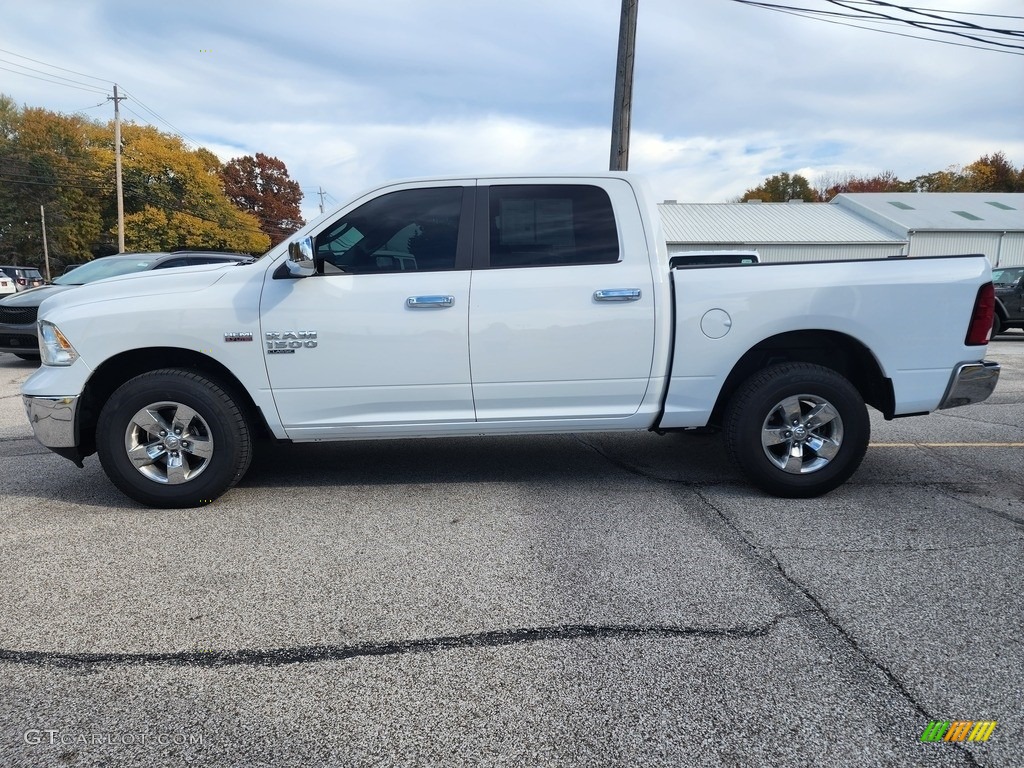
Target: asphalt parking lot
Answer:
[[591, 600]]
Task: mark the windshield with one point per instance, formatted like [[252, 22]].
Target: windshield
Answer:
[[103, 268]]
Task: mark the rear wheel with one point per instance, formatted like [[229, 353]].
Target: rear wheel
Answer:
[[171, 438], [997, 325], [797, 430]]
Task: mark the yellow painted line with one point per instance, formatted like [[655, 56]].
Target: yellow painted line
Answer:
[[946, 445]]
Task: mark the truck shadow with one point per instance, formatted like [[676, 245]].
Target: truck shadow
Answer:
[[684, 458]]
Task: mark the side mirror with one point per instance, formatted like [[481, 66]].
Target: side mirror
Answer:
[[300, 258]]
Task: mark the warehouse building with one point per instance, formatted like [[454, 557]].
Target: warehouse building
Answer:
[[941, 223], [777, 231], [870, 225]]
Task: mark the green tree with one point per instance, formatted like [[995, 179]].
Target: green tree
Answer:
[[45, 161], [261, 185], [782, 188]]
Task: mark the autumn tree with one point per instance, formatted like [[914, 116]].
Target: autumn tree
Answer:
[[782, 188], [261, 185], [994, 173], [173, 198], [836, 184]]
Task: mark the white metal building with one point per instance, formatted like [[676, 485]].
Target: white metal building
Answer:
[[778, 231], [942, 223]]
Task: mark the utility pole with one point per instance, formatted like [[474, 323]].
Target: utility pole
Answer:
[[619, 160], [46, 250], [320, 191], [117, 168]]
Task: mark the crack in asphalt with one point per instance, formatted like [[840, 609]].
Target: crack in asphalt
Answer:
[[769, 561], [273, 657], [766, 558], [883, 550]]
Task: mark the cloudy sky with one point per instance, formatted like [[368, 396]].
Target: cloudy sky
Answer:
[[350, 94]]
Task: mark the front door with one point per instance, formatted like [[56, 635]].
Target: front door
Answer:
[[376, 343]]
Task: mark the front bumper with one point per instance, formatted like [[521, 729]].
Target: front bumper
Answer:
[[970, 383], [19, 339], [54, 424]]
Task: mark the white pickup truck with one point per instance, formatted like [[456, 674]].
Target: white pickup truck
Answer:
[[494, 306]]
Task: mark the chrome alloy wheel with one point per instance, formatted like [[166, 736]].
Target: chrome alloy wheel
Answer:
[[802, 434], [169, 443]]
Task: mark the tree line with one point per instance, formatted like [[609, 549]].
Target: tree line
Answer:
[[989, 173], [174, 197]]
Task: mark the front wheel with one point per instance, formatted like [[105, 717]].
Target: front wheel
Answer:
[[171, 438], [797, 430], [997, 326]]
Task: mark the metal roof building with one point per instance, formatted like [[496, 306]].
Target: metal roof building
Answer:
[[778, 231], [940, 223]]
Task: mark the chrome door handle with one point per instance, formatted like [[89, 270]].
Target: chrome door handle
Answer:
[[617, 294], [430, 302]]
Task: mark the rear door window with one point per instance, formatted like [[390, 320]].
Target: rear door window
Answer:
[[539, 225]]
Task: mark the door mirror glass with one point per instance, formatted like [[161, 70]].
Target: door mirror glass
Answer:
[[300, 258]]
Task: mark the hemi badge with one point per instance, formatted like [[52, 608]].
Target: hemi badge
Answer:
[[238, 336]]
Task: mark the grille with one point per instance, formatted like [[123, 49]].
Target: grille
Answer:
[[18, 315]]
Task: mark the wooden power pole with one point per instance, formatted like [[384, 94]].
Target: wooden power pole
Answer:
[[619, 160], [117, 168]]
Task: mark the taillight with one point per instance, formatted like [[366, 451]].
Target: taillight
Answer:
[[980, 329]]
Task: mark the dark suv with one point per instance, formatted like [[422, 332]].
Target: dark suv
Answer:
[[24, 277], [1009, 282]]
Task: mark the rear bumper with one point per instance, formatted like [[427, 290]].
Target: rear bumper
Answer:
[[970, 383], [54, 424]]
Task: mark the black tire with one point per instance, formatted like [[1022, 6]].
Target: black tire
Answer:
[[30, 358], [810, 457], [209, 453], [997, 325]]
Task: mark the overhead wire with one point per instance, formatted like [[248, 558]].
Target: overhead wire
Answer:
[[991, 40]]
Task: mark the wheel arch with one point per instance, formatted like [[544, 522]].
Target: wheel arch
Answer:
[[115, 371], [830, 349], [1000, 310]]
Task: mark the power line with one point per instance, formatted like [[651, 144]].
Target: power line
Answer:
[[87, 88], [941, 26], [177, 131], [54, 66], [953, 13]]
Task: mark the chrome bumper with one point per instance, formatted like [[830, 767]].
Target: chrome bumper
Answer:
[[53, 420], [970, 383]]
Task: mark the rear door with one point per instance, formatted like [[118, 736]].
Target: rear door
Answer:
[[376, 343], [561, 323]]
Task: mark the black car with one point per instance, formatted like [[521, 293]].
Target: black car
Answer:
[[18, 312], [1009, 283]]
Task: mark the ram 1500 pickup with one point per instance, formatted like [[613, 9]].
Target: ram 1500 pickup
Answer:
[[492, 306]]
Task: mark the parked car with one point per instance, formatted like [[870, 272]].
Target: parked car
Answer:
[[7, 285], [24, 277], [18, 313], [1009, 283]]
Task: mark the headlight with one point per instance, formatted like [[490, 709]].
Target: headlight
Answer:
[[54, 348]]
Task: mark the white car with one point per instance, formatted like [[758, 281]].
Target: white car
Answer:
[[7, 285]]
